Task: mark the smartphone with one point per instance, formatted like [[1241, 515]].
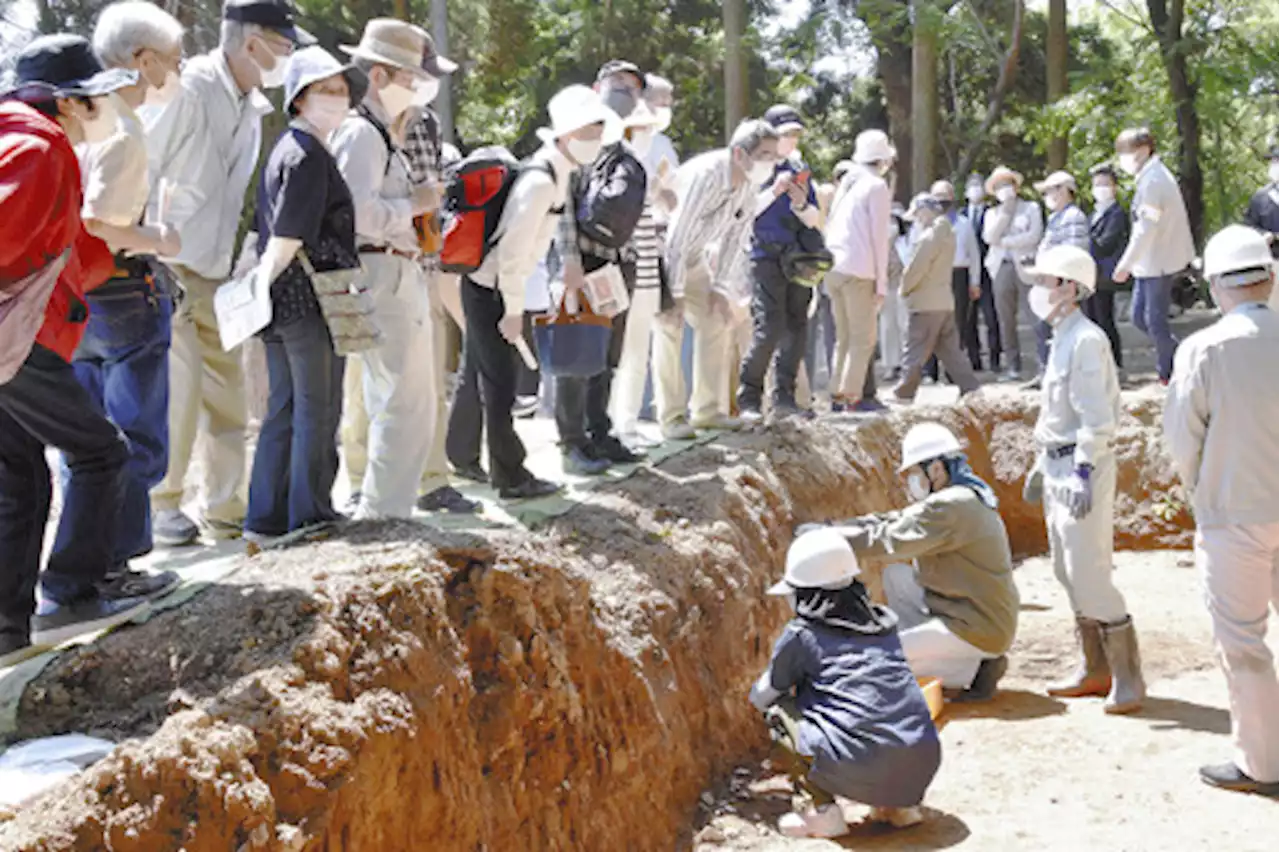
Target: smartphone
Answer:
[[803, 177]]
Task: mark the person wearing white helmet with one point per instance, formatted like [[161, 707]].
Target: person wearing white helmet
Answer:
[[844, 710], [1220, 426], [957, 605], [1075, 475]]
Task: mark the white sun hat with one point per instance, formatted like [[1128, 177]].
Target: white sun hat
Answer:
[[821, 559], [575, 107], [873, 146]]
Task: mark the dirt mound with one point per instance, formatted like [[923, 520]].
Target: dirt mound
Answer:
[[571, 688]]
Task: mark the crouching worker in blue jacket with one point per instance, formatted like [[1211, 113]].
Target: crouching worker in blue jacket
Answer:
[[843, 708]]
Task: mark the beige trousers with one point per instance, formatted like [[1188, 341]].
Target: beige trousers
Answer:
[[853, 307], [712, 337], [1082, 549], [1238, 564], [206, 407], [436, 473]]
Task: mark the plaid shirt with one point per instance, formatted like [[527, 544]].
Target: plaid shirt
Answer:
[[421, 151], [1069, 226]]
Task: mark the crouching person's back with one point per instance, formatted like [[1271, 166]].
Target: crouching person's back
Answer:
[[842, 704]]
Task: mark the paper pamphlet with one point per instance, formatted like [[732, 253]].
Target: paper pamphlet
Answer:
[[243, 306]]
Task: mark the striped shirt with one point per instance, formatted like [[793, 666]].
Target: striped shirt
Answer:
[[648, 248], [712, 216], [1067, 227]]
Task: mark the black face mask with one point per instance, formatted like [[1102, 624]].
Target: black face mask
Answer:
[[620, 99]]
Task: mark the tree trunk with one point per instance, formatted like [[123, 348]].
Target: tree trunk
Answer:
[[444, 101], [890, 31], [1008, 70], [1056, 88], [924, 95], [1166, 19], [735, 77]]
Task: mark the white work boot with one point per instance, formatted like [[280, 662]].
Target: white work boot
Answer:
[[826, 821], [897, 817]]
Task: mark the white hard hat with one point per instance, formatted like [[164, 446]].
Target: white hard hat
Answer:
[[1237, 249], [821, 559], [1070, 262], [872, 146], [925, 442]]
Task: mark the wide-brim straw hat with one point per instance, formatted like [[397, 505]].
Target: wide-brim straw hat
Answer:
[[387, 41], [1000, 175]]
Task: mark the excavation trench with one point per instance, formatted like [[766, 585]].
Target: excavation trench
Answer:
[[572, 688]]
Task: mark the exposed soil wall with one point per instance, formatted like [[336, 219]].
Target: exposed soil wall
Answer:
[[573, 688]]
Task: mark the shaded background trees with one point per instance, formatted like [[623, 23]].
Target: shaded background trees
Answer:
[[960, 84]]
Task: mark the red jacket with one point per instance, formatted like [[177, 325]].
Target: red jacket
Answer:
[[40, 197]]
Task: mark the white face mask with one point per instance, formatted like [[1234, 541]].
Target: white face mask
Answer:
[[104, 122], [584, 151], [1006, 193], [325, 112], [1052, 203], [1104, 195], [273, 78], [761, 171], [642, 141], [1273, 171], [1129, 164], [425, 91], [917, 486], [395, 99], [165, 93], [664, 118], [975, 194], [1041, 302]]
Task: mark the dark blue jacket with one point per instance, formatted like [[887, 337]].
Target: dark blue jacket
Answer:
[[1108, 237], [777, 225]]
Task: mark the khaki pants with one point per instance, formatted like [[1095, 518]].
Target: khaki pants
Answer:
[[1082, 549], [389, 412], [1238, 564], [711, 366], [629, 378], [206, 398], [934, 333], [436, 473], [853, 307]]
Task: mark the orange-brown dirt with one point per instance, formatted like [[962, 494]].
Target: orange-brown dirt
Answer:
[[576, 687]]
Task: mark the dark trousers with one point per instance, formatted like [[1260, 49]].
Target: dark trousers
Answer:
[[44, 405], [582, 405], [123, 364], [1101, 308], [296, 461], [779, 330], [986, 306], [497, 366]]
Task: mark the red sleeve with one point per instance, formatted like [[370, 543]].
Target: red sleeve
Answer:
[[39, 193]]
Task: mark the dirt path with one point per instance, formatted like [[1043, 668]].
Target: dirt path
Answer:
[[1030, 772]]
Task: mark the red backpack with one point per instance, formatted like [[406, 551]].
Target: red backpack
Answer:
[[474, 198]]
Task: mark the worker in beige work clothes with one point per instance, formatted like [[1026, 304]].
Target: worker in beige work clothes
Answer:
[[1220, 424], [956, 601], [1075, 474]]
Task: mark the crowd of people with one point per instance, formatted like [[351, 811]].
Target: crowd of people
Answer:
[[731, 282]]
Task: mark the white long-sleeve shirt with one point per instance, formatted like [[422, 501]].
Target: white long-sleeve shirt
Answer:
[[527, 227], [968, 255], [858, 227], [661, 149], [1160, 242], [206, 145], [1080, 399], [711, 221], [1012, 233], [1222, 418], [378, 177]]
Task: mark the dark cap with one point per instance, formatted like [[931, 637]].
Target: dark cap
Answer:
[[65, 66], [784, 119], [622, 66], [432, 62], [1104, 170], [274, 15]]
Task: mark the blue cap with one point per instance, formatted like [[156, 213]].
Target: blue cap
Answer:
[[65, 66]]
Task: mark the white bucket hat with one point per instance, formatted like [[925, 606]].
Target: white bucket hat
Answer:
[[575, 107], [390, 42], [313, 64], [821, 559], [873, 146]]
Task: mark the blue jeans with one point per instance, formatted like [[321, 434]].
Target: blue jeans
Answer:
[[296, 461], [44, 406], [123, 363], [1151, 300]]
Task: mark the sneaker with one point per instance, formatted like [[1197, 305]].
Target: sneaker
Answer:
[[679, 430], [839, 408], [1228, 776], [531, 489], [130, 583], [719, 423], [55, 623], [751, 416], [15, 648], [615, 451], [896, 817], [172, 528], [580, 461], [869, 406], [825, 822], [472, 473], [525, 407], [448, 499]]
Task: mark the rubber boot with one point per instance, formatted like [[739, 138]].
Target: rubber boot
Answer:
[[1093, 675], [1127, 687]]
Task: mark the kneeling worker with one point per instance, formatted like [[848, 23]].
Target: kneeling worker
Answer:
[[842, 704], [957, 605]]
